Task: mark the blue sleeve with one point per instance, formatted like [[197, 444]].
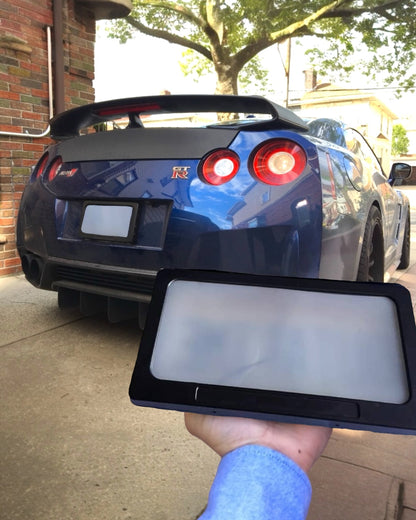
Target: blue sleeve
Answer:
[[258, 483]]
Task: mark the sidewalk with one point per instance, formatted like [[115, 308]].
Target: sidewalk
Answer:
[[364, 475], [74, 448]]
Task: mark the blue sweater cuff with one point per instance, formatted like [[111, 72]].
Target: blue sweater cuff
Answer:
[[258, 483]]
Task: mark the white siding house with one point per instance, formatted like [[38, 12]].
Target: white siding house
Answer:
[[360, 110]]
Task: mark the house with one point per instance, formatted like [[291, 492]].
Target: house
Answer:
[[362, 110], [409, 123], [47, 66]]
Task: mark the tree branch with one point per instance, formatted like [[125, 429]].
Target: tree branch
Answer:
[[188, 14], [171, 38], [380, 9], [176, 8], [296, 27], [214, 19], [213, 31]]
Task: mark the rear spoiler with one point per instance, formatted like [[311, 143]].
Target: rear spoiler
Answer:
[[69, 123]]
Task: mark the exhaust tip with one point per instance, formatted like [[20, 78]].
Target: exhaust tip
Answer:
[[25, 264], [32, 267]]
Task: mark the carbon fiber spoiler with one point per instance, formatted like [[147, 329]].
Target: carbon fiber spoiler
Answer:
[[69, 123]]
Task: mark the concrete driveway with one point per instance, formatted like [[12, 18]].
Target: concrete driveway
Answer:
[[73, 447]]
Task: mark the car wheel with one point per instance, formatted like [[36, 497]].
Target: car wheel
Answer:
[[371, 266], [405, 257]]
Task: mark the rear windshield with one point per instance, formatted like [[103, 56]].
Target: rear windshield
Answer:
[[179, 120]]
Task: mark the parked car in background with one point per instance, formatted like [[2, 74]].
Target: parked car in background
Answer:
[[229, 183]]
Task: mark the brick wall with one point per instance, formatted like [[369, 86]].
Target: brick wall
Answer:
[[24, 97]]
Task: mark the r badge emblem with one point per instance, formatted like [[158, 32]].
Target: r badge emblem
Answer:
[[180, 172]]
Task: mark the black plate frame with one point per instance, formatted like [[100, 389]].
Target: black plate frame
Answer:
[[146, 390], [109, 238]]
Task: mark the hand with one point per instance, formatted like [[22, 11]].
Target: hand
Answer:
[[303, 444]]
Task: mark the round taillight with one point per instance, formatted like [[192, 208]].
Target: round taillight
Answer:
[[40, 167], [219, 167], [278, 162], [54, 168]]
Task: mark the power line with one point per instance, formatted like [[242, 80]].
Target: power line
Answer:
[[410, 90]]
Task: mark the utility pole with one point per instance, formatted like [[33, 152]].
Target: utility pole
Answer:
[[286, 66]]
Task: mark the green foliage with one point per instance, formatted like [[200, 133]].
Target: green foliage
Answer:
[[379, 42], [252, 78], [373, 36], [194, 65], [400, 141]]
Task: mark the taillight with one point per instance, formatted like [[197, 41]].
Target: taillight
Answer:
[[219, 167], [54, 168], [277, 162], [40, 167], [128, 109]]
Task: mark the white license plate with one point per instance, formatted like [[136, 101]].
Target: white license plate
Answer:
[[103, 220]]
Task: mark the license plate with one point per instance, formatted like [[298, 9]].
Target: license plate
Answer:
[[107, 221]]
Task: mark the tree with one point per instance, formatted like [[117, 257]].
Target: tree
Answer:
[[229, 34], [400, 141]]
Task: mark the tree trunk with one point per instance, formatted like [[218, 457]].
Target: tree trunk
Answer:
[[227, 83], [226, 79]]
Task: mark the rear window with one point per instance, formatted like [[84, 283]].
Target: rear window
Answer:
[[178, 120]]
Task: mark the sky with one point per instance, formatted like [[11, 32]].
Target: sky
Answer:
[[146, 66], [142, 66]]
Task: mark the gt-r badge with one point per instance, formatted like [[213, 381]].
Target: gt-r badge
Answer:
[[180, 172], [68, 173]]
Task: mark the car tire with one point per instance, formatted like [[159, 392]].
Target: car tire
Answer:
[[405, 256], [371, 266]]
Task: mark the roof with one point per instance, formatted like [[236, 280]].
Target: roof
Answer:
[[327, 93]]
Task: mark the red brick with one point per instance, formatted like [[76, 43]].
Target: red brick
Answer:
[[7, 230], [6, 221], [7, 255], [19, 187], [9, 95], [27, 19], [10, 128], [11, 26], [9, 270], [31, 115], [33, 67], [10, 145], [12, 262], [33, 147], [40, 93]]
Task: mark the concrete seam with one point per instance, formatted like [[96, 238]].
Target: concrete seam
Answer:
[[394, 505]]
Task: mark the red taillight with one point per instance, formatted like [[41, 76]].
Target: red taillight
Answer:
[[40, 167], [219, 167], [128, 109], [54, 168], [278, 162]]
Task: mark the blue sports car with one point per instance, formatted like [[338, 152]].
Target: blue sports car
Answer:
[[229, 183]]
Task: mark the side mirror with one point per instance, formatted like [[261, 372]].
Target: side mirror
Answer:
[[399, 171]]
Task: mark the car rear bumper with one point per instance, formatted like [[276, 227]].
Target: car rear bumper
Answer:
[[271, 250]]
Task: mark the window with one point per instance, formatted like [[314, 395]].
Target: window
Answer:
[[359, 146], [265, 197]]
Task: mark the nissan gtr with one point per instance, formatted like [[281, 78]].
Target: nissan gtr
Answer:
[[229, 183]]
